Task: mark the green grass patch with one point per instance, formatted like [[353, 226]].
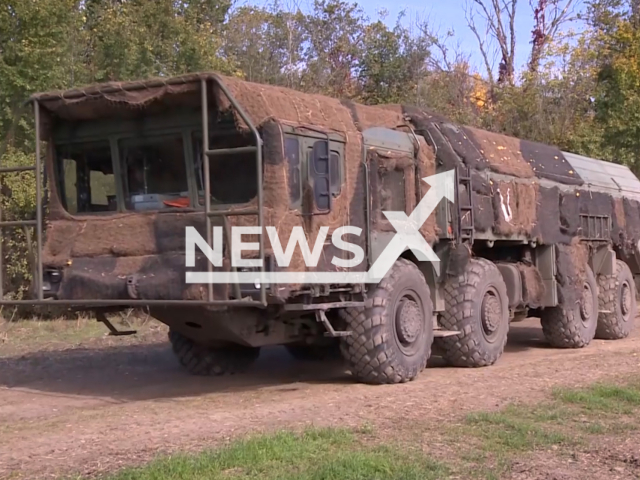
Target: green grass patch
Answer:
[[605, 398], [507, 431], [494, 439], [322, 454], [594, 410]]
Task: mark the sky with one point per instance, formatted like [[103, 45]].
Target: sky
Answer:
[[450, 14], [444, 15]]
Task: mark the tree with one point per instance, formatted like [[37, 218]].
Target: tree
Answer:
[[37, 52], [392, 63], [618, 99], [548, 16], [335, 32], [138, 38], [499, 33], [267, 44]]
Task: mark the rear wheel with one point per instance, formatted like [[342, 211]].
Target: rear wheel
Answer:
[[202, 360], [573, 326], [617, 303], [392, 335], [476, 304]]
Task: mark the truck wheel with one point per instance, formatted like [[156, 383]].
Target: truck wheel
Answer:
[[477, 305], [392, 335], [617, 303], [202, 360], [573, 326], [313, 353]]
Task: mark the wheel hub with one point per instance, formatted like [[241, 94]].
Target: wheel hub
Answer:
[[625, 300], [491, 315], [586, 303], [408, 321]]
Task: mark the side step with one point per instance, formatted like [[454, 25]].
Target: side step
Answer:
[[102, 318]]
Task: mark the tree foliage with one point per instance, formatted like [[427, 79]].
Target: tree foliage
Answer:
[[618, 96]]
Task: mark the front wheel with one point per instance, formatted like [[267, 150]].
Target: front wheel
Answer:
[[392, 335]]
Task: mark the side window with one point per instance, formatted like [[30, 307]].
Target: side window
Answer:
[[319, 168], [86, 176], [336, 182], [292, 154], [233, 177], [392, 193]]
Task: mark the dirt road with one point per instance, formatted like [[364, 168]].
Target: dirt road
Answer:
[[86, 410]]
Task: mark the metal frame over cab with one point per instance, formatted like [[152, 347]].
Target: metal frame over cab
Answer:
[[209, 213]]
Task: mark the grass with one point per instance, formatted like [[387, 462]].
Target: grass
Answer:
[[494, 439], [322, 454], [604, 398], [572, 418], [19, 337], [506, 431]]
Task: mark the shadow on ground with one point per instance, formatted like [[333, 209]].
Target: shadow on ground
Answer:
[[150, 371]]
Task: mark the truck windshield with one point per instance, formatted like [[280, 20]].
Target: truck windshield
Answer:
[[155, 173]]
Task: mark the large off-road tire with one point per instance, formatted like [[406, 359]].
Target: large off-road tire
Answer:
[[573, 326], [617, 303], [476, 304], [202, 360], [392, 335], [314, 353]]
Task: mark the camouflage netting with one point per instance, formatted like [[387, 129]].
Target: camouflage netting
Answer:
[[392, 117], [265, 104], [525, 188], [530, 191]]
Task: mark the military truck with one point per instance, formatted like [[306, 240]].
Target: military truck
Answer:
[[123, 170]]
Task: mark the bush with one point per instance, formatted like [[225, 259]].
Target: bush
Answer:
[[18, 202]]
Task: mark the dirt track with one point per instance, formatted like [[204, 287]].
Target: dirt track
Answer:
[[86, 410]]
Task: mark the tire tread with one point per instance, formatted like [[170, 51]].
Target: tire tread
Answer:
[[610, 327], [465, 350], [367, 351]]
